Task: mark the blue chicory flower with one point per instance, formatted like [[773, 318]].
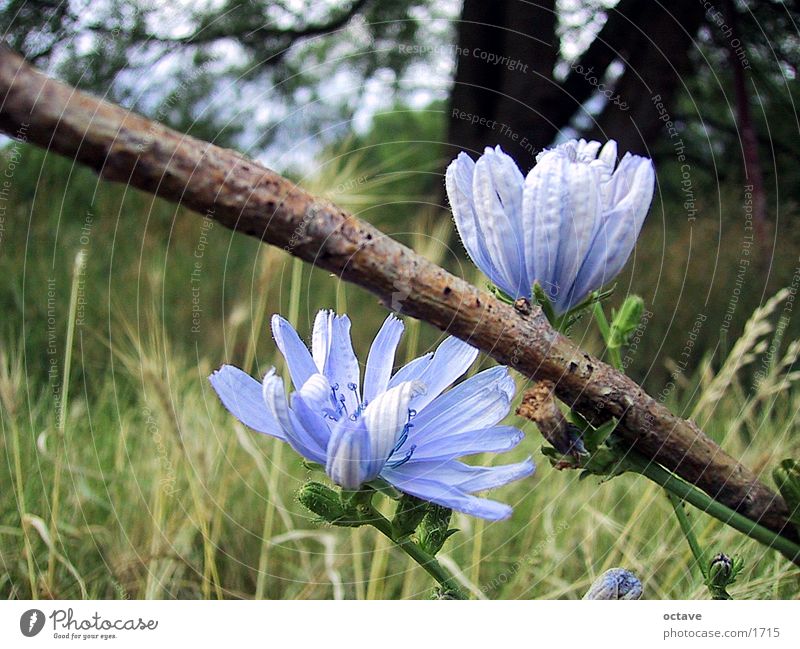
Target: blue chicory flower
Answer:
[[402, 427], [570, 225]]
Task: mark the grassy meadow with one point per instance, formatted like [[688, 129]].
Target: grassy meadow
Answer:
[[122, 476]]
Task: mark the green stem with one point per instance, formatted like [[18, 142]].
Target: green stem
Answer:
[[688, 532], [704, 502], [614, 354], [425, 560]]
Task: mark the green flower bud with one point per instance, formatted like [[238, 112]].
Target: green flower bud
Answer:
[[433, 531], [625, 321], [408, 515], [787, 477], [719, 572], [327, 504], [722, 572]]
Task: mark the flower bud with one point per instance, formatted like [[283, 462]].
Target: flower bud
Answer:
[[327, 504], [787, 477], [433, 531], [625, 321], [719, 572], [722, 572], [616, 583]]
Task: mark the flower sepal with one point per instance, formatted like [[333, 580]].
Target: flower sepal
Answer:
[[592, 437], [499, 293], [602, 460], [566, 320], [434, 529], [408, 515]]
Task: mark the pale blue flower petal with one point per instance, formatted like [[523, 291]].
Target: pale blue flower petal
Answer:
[[450, 360], [461, 443], [616, 238], [465, 477], [321, 338], [483, 409], [581, 224], [298, 358], [350, 461], [484, 386], [342, 368], [544, 209], [498, 223], [634, 181], [587, 151], [387, 415], [274, 396], [411, 370], [447, 495], [301, 440], [241, 394], [317, 392], [309, 405], [458, 180], [380, 360]]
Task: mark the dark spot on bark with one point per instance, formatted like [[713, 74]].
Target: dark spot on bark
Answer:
[[477, 302], [447, 290], [590, 367], [522, 306], [572, 366]]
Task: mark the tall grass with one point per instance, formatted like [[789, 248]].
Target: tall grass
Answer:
[[163, 494]]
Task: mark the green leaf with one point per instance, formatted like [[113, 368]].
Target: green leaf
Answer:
[[541, 298]]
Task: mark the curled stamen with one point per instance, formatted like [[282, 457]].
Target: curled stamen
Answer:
[[361, 405], [404, 459], [403, 438]]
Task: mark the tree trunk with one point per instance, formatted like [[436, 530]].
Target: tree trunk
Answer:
[[657, 58], [505, 56]]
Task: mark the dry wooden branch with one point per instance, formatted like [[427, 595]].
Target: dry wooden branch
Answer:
[[539, 405], [244, 196]]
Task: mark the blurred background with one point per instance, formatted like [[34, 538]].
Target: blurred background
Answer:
[[123, 477]]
